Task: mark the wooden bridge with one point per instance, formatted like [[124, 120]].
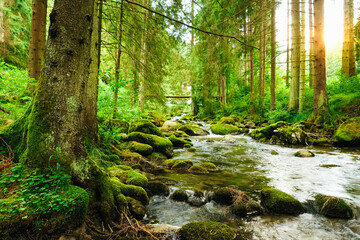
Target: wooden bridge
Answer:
[[177, 96]]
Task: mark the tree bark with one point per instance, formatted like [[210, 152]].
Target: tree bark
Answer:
[[288, 44], [348, 51], [273, 55], [311, 41], [37, 38], [263, 24], [142, 88], [302, 58], [295, 55], [320, 105]]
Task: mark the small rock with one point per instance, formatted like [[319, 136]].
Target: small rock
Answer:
[[273, 152], [333, 207], [229, 139], [179, 195], [169, 126], [304, 153], [191, 149], [206, 231], [250, 125]]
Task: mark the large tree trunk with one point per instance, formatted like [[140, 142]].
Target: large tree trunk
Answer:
[[63, 112], [348, 51], [263, 21], [4, 28], [273, 55], [295, 55], [37, 38], [311, 41], [302, 58], [320, 106]]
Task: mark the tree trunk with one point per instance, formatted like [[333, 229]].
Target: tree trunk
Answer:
[[117, 62], [320, 106], [311, 40], [142, 88], [288, 44], [262, 53], [348, 51], [100, 10], [37, 38], [302, 58], [273, 55], [295, 55]]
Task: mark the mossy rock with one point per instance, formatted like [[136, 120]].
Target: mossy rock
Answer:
[[136, 209], [179, 195], [291, 135], [121, 125], [188, 145], [223, 196], [137, 179], [246, 208], [333, 207], [128, 156], [227, 120], [193, 130], [112, 158], [348, 133], [145, 126], [198, 169], [182, 165], [156, 117], [177, 142], [191, 149], [158, 188], [169, 126], [223, 129], [266, 132], [157, 157], [141, 148], [209, 166], [304, 154], [206, 231], [159, 144], [273, 152], [135, 192], [276, 201]]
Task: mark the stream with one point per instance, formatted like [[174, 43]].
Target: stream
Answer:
[[249, 166]]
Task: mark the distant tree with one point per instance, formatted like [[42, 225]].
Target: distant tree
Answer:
[[348, 51], [273, 55], [311, 41], [302, 57], [320, 105]]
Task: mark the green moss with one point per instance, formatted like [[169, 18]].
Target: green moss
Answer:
[[156, 117], [137, 210], [197, 169], [158, 188], [137, 179], [170, 162], [182, 165], [266, 132], [333, 207], [141, 148], [206, 231], [245, 208], [135, 192], [348, 132], [112, 158], [158, 143], [223, 129], [223, 196], [121, 125], [209, 166], [145, 126], [177, 142], [273, 152], [276, 201], [179, 195], [188, 145], [193, 130], [227, 120], [157, 157], [191, 149], [304, 153]]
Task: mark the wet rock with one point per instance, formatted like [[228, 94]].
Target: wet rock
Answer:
[[354, 227], [198, 169], [209, 166], [304, 154], [193, 130], [333, 207], [179, 195], [223, 196], [229, 139], [141, 148], [191, 149], [157, 157], [206, 231], [170, 126], [137, 210], [224, 129], [250, 125], [265, 133], [273, 152], [276, 201], [290, 135], [196, 202], [245, 208], [158, 188], [177, 142], [145, 126], [227, 120], [348, 133], [177, 164], [188, 145]]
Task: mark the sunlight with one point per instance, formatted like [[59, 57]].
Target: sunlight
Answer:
[[334, 20]]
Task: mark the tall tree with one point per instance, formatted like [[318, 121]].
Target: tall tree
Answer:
[[320, 105], [348, 51], [295, 55], [273, 55], [302, 57], [37, 37], [288, 43], [262, 46], [311, 41]]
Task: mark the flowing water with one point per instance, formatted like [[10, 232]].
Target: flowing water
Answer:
[[249, 166]]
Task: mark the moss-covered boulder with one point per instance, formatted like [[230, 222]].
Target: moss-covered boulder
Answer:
[[179, 195], [157, 157], [209, 166], [198, 169], [224, 129], [304, 154], [127, 175], [158, 188], [333, 207], [137, 179], [246, 208], [156, 117], [191, 149], [206, 231], [145, 126], [276, 201], [348, 133], [121, 125], [159, 144], [193, 130], [293, 134], [169, 126], [227, 120], [136, 209], [177, 142], [223, 196], [141, 148], [266, 132], [178, 164]]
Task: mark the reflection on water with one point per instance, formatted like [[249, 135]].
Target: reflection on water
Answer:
[[249, 166]]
